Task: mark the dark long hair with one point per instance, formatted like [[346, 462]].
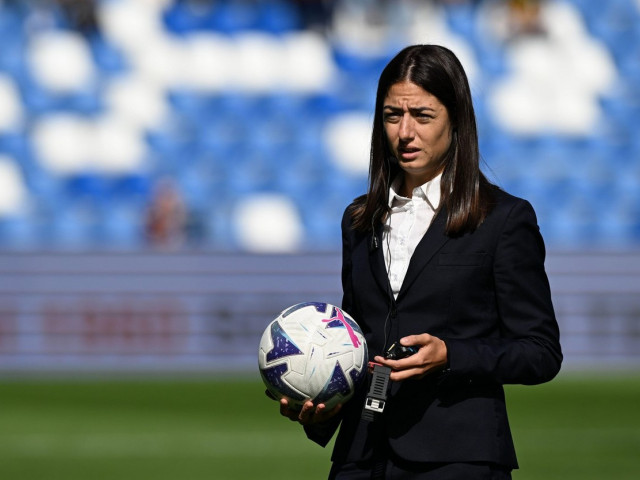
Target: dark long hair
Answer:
[[465, 191]]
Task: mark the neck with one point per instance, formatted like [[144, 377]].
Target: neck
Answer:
[[410, 182]]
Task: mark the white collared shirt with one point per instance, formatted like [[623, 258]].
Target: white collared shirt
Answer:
[[408, 222]]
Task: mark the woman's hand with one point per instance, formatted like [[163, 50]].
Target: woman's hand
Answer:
[[431, 356], [309, 414]]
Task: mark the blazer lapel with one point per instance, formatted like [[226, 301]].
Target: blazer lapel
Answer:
[[376, 260], [432, 241]]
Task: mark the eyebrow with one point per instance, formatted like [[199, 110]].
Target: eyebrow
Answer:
[[411, 109]]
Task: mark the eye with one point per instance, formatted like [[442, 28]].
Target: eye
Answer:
[[391, 117], [424, 117]]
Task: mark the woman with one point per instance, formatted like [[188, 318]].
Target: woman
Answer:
[[437, 258]]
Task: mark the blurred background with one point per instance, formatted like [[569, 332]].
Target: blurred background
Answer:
[[173, 173]]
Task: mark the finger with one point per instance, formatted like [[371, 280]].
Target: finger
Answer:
[[400, 375], [396, 364], [325, 414], [287, 411], [417, 340], [322, 413], [318, 413], [306, 411], [284, 407]]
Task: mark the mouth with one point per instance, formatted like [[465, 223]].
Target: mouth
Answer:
[[408, 153]]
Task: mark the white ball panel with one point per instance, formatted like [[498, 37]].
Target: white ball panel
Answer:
[[328, 338]]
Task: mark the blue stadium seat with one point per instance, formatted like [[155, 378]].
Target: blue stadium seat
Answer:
[[133, 188], [228, 145], [253, 172], [16, 144], [321, 216], [86, 102], [277, 16], [191, 105], [461, 17], [19, 233], [121, 226], [12, 40], [218, 225], [89, 188], [232, 17], [571, 226], [73, 228], [491, 58], [197, 185], [109, 59], [170, 144], [185, 16], [302, 174], [37, 100], [285, 107]]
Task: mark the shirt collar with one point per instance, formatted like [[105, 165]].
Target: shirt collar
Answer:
[[430, 190]]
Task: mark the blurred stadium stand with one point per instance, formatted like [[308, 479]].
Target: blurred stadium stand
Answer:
[[236, 98], [205, 312], [258, 113]]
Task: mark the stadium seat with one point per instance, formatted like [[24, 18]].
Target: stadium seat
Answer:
[[185, 16], [268, 223], [461, 17], [90, 188], [131, 188], [277, 17], [308, 65], [233, 17], [116, 148], [209, 62], [109, 59], [121, 226], [19, 233], [132, 100], [61, 61], [235, 99], [13, 192], [11, 108], [61, 143], [348, 138], [73, 228]]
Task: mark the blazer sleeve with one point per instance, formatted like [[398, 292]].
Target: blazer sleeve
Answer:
[[527, 350]]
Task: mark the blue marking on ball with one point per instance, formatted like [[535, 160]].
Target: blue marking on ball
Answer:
[[273, 377], [337, 384], [319, 306], [283, 346]]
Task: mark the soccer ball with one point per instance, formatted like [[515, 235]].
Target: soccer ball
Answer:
[[312, 351]]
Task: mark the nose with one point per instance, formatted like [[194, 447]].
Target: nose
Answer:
[[406, 130]]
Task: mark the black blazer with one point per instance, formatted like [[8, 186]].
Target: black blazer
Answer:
[[486, 294]]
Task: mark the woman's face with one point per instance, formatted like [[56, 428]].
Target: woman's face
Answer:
[[419, 132]]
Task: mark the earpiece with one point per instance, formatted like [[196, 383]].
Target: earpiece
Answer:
[[373, 246]]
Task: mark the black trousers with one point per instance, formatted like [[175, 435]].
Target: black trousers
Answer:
[[394, 468]]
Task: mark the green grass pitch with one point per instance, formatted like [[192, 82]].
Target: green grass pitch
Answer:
[[576, 427]]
